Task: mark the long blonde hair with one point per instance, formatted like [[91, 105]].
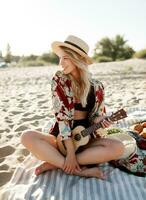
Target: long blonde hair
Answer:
[[81, 87]]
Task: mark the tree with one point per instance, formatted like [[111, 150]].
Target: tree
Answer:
[[31, 57], [53, 58], [113, 49], [140, 54], [8, 56], [49, 58]]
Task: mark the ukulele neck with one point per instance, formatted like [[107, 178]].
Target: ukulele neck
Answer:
[[91, 129]]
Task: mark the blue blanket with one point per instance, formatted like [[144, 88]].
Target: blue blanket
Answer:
[[56, 185]]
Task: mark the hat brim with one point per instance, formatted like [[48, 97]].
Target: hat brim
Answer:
[[57, 50]]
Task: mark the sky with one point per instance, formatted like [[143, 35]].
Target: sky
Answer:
[[30, 26]]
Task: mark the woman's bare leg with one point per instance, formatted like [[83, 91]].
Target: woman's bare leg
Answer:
[[100, 151], [97, 152], [45, 166], [40, 146], [91, 172], [86, 172]]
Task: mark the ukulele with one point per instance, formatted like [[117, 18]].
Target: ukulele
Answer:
[[81, 136]]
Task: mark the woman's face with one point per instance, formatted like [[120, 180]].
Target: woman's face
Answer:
[[67, 65]]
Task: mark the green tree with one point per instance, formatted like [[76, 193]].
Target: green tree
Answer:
[[29, 58], [45, 57], [49, 58], [8, 56], [53, 58], [113, 49], [140, 54]]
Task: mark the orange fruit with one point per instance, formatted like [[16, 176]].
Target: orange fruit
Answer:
[[138, 128], [144, 135], [144, 124]]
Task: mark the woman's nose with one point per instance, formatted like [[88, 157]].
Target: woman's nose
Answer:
[[61, 62]]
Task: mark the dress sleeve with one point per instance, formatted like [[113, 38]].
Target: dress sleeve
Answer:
[[99, 108], [62, 100], [100, 99]]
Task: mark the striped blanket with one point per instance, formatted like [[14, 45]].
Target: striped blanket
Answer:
[[56, 185]]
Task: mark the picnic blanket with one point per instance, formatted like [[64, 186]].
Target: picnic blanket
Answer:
[[56, 185]]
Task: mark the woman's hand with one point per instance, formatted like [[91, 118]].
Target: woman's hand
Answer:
[[104, 121], [71, 164]]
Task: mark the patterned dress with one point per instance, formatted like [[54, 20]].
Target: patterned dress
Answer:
[[63, 104]]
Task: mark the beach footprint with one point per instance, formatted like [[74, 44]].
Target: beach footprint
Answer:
[[4, 167], [2, 160], [21, 128], [6, 150], [5, 176]]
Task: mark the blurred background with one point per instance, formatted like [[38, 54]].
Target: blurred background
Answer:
[[116, 33], [114, 29]]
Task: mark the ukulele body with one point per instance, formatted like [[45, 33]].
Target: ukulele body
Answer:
[[80, 135], [77, 138]]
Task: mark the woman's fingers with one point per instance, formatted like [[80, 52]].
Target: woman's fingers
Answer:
[[105, 123], [71, 166], [78, 167], [71, 169], [99, 119], [68, 169]]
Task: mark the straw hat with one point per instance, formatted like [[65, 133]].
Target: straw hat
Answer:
[[74, 43]]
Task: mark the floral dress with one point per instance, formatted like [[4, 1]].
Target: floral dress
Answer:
[[63, 104]]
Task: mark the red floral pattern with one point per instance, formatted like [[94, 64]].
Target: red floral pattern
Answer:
[[135, 164], [63, 103]]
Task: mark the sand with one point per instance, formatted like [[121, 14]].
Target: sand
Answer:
[[25, 102]]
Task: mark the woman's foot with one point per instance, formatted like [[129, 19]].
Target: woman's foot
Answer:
[[45, 166], [91, 172]]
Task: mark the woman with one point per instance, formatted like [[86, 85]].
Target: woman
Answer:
[[77, 100]]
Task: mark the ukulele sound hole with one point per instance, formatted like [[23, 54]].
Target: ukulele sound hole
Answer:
[[77, 137]]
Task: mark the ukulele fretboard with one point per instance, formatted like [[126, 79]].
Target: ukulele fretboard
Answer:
[[90, 130]]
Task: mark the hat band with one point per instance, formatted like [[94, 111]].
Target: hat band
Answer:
[[75, 46]]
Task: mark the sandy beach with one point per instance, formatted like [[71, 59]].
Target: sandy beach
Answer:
[[25, 102]]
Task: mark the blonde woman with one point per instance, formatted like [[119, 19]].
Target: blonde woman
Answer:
[[77, 100]]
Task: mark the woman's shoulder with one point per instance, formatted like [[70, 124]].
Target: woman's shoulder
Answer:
[[96, 83], [61, 79], [98, 89]]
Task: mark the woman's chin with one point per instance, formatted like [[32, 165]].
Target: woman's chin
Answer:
[[65, 72]]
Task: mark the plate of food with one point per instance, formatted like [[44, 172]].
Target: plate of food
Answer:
[[139, 128], [114, 130], [138, 131]]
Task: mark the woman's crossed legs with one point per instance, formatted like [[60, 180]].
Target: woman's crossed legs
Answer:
[[44, 147]]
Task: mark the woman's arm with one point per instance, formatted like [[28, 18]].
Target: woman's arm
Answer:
[[62, 100], [99, 114], [70, 165], [102, 119]]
